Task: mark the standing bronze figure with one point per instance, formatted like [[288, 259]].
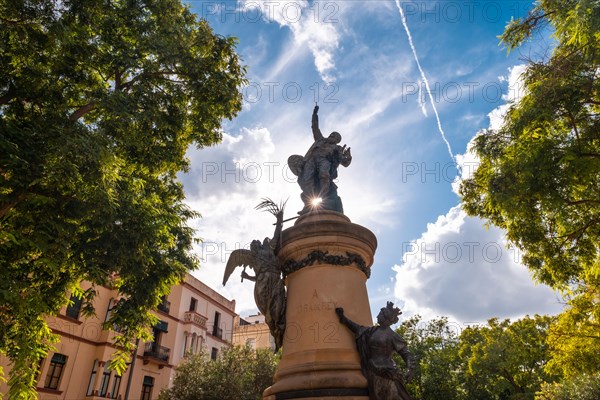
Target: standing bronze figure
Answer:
[[376, 344], [318, 168], [269, 289]]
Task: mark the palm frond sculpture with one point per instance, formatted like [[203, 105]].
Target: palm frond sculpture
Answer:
[[270, 206]]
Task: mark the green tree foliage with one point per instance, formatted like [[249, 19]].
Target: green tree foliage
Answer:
[[474, 386], [574, 339], [506, 359], [434, 344], [583, 387], [502, 360], [99, 101], [539, 177], [239, 373]]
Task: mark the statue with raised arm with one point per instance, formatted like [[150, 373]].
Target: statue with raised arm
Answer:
[[376, 344], [318, 168], [269, 289]]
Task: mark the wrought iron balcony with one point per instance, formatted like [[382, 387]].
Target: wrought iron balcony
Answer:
[[156, 352], [165, 306]]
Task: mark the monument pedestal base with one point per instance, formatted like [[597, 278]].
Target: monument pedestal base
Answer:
[[327, 261]]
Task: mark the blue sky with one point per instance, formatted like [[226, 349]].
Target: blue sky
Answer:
[[355, 59]]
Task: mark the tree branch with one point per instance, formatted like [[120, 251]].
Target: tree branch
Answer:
[[159, 74], [576, 234], [506, 375], [81, 111], [577, 202]]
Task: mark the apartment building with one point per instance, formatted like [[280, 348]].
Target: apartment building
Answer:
[[192, 318], [253, 331]]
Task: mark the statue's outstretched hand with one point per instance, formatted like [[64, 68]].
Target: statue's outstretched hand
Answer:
[[316, 110], [339, 311]]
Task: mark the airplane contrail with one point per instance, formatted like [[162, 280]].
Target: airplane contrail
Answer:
[[414, 50]]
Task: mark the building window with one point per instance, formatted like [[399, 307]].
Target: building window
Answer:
[[112, 303], [164, 305], [74, 307], [193, 344], [185, 343], [105, 381], [109, 310], [158, 331], [218, 332], [55, 371], [147, 388], [90, 389], [193, 304], [114, 392], [214, 353]]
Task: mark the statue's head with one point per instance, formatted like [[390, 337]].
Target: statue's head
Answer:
[[255, 245], [388, 314], [334, 137]]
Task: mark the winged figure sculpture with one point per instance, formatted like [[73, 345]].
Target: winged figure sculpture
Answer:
[[269, 289]]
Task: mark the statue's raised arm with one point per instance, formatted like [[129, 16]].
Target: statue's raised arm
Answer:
[[318, 168], [315, 124]]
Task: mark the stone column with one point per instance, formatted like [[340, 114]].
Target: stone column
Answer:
[[326, 261]]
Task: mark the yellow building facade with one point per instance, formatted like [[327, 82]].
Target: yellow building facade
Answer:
[[253, 331], [192, 318]]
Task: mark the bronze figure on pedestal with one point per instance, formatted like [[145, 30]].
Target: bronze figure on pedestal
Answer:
[[376, 344], [318, 168], [269, 289]]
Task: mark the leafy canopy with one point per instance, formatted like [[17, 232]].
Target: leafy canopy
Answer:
[[583, 387], [99, 101], [574, 338], [507, 359], [239, 373], [539, 176], [434, 344], [499, 361]]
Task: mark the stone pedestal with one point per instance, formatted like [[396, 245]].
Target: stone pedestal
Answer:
[[326, 260]]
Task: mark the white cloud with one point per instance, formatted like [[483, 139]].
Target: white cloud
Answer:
[[459, 269], [468, 162], [421, 100], [310, 27], [225, 183], [516, 91]]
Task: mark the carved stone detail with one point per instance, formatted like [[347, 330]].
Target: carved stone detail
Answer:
[[318, 256]]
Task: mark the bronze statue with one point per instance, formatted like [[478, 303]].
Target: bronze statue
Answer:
[[376, 344], [269, 289], [318, 168]]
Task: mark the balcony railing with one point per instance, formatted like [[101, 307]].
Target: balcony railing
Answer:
[[195, 318], [156, 352], [165, 306]]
